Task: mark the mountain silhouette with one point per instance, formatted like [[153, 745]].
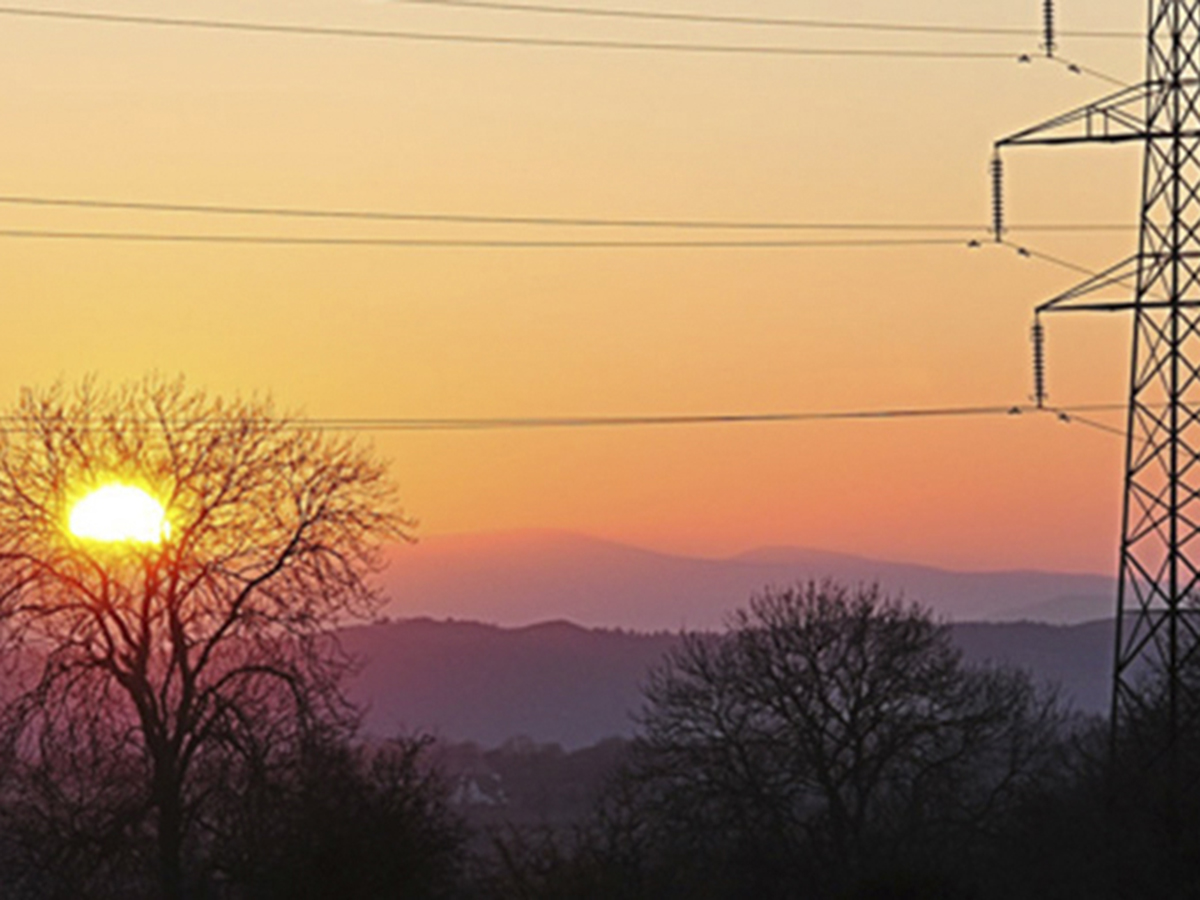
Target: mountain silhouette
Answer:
[[524, 577]]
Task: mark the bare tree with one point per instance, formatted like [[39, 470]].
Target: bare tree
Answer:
[[191, 644], [828, 726]]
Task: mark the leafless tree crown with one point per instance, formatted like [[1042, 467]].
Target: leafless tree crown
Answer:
[[215, 638]]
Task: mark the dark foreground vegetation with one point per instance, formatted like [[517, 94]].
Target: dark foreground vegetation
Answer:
[[831, 744], [174, 726]]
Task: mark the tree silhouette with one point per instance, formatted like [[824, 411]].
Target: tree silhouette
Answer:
[[196, 646], [830, 734]]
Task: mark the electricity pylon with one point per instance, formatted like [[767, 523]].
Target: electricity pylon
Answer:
[[1158, 618]]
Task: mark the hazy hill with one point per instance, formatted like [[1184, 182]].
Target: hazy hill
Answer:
[[1077, 658], [465, 681], [523, 577], [558, 682]]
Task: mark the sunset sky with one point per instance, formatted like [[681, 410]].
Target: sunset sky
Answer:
[[138, 113]]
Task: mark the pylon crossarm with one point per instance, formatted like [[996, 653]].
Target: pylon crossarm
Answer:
[[1123, 273], [1124, 306], [1112, 119]]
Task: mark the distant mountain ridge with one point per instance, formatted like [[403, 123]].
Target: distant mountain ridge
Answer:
[[553, 681], [559, 682], [522, 577]]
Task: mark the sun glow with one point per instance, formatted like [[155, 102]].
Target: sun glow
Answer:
[[119, 513]]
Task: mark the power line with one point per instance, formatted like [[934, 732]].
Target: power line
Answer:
[[767, 21], [1080, 69], [1071, 418], [1067, 227], [478, 219], [526, 423], [558, 221], [483, 39], [482, 243], [1024, 250], [13, 424]]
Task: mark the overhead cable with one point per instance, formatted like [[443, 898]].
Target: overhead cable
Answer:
[[524, 423], [762, 21], [114, 18], [1029, 252], [483, 243], [1070, 418], [1080, 69], [530, 220]]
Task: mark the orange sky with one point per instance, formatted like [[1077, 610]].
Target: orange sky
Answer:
[[194, 116]]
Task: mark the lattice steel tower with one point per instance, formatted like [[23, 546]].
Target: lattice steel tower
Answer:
[[1158, 629]]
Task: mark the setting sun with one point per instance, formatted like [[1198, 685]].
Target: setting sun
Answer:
[[119, 513]]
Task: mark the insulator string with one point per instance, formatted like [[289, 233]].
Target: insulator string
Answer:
[[1048, 42], [1039, 363], [997, 167]]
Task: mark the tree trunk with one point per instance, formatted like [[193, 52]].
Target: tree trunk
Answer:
[[170, 839]]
